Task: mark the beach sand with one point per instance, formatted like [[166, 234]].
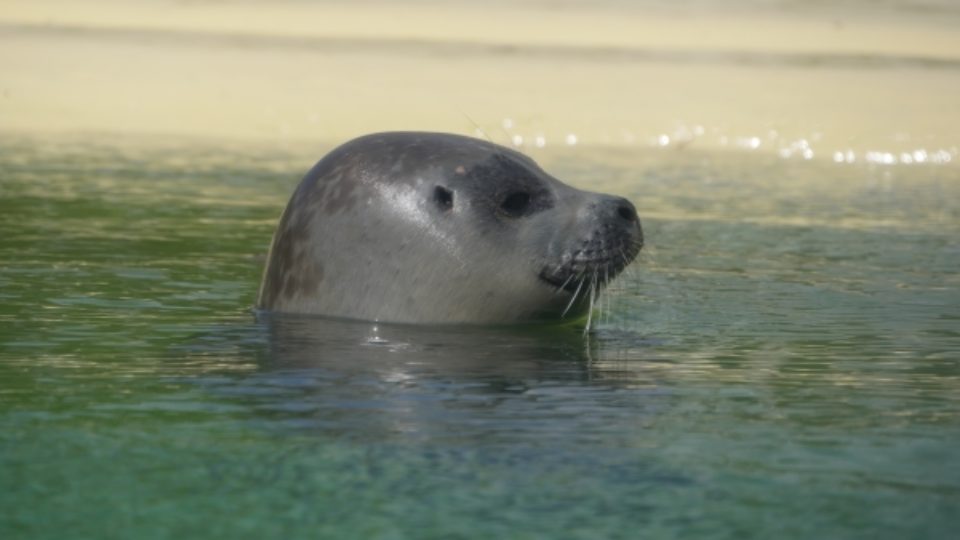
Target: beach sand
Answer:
[[826, 83]]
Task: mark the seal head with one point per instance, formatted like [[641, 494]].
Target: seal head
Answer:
[[437, 228]]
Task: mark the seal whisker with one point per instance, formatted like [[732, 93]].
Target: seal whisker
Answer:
[[593, 288], [572, 299], [564, 284], [605, 297], [596, 302], [476, 126], [633, 278], [627, 270]]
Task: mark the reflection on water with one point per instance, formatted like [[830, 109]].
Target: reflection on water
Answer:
[[437, 385], [781, 362]]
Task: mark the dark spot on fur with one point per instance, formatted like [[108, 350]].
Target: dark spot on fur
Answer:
[[288, 270], [332, 184], [340, 197]]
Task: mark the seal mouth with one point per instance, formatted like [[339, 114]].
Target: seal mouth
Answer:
[[572, 277], [568, 284], [592, 265]]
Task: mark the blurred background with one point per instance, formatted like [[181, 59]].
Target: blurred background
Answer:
[[848, 80]]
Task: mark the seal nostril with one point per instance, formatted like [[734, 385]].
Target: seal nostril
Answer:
[[627, 212]]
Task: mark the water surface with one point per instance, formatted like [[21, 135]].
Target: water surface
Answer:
[[781, 361]]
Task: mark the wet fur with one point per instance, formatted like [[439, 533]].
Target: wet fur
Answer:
[[416, 227]]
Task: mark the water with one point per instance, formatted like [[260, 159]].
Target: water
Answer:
[[782, 361]]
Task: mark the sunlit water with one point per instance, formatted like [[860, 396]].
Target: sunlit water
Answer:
[[783, 361]]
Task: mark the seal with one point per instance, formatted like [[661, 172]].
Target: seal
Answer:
[[411, 227]]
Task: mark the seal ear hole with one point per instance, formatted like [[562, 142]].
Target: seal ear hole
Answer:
[[443, 197], [516, 203]]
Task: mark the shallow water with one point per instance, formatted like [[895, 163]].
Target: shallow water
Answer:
[[783, 361]]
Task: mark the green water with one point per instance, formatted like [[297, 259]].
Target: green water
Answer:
[[783, 361]]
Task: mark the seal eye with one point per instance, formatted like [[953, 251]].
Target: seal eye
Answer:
[[443, 197], [516, 203]]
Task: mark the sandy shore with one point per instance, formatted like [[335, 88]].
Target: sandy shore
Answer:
[[835, 85]]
